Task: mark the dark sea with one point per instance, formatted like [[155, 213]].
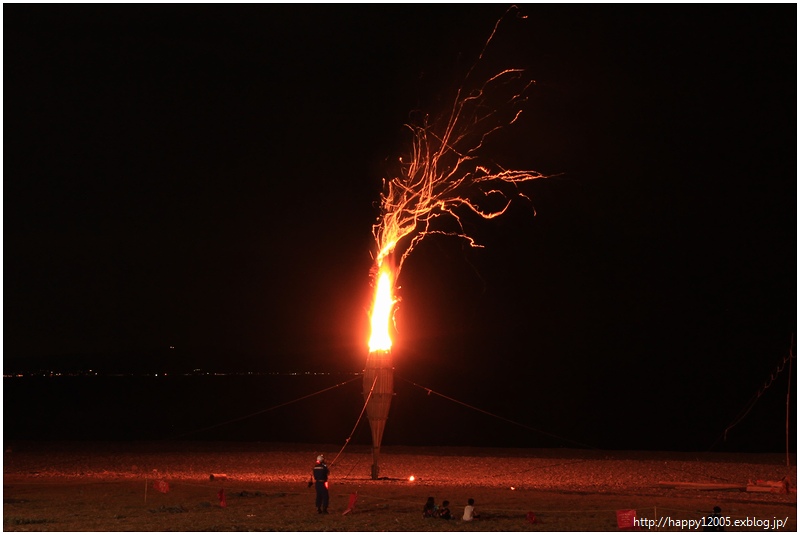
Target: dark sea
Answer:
[[284, 408], [326, 408]]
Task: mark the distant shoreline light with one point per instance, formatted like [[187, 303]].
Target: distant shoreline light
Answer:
[[195, 373]]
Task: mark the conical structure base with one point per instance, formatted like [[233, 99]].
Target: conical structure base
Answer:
[[378, 372]]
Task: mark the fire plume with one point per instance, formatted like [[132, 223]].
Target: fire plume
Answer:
[[383, 303], [447, 174]]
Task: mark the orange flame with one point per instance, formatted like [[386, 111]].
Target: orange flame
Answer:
[[383, 302]]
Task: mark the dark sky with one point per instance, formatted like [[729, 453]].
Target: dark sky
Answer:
[[207, 177]]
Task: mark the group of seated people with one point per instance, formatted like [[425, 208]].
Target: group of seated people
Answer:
[[431, 510]]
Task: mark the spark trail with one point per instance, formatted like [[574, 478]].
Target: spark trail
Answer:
[[447, 172]]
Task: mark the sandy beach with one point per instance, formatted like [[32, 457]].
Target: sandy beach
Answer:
[[77, 486]]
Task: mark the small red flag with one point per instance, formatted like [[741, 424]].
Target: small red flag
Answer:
[[352, 504], [161, 486], [625, 518], [221, 496]]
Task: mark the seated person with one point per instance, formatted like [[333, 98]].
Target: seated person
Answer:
[[444, 512], [429, 510]]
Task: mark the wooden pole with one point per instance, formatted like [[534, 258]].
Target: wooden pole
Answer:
[[788, 401]]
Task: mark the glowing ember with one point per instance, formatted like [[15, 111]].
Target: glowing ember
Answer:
[[411, 478], [382, 312]]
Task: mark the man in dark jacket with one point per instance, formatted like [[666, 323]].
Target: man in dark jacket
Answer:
[[320, 477]]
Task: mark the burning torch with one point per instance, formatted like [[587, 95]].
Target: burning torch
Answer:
[[378, 372], [448, 172]]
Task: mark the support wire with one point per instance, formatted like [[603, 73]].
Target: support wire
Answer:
[[347, 441], [263, 410], [754, 399], [431, 391]]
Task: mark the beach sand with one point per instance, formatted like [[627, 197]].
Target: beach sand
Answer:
[[80, 486]]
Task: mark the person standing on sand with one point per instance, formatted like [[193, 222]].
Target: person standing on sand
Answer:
[[320, 478], [469, 511], [714, 521]]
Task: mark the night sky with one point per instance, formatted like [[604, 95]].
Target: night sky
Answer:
[[206, 178]]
